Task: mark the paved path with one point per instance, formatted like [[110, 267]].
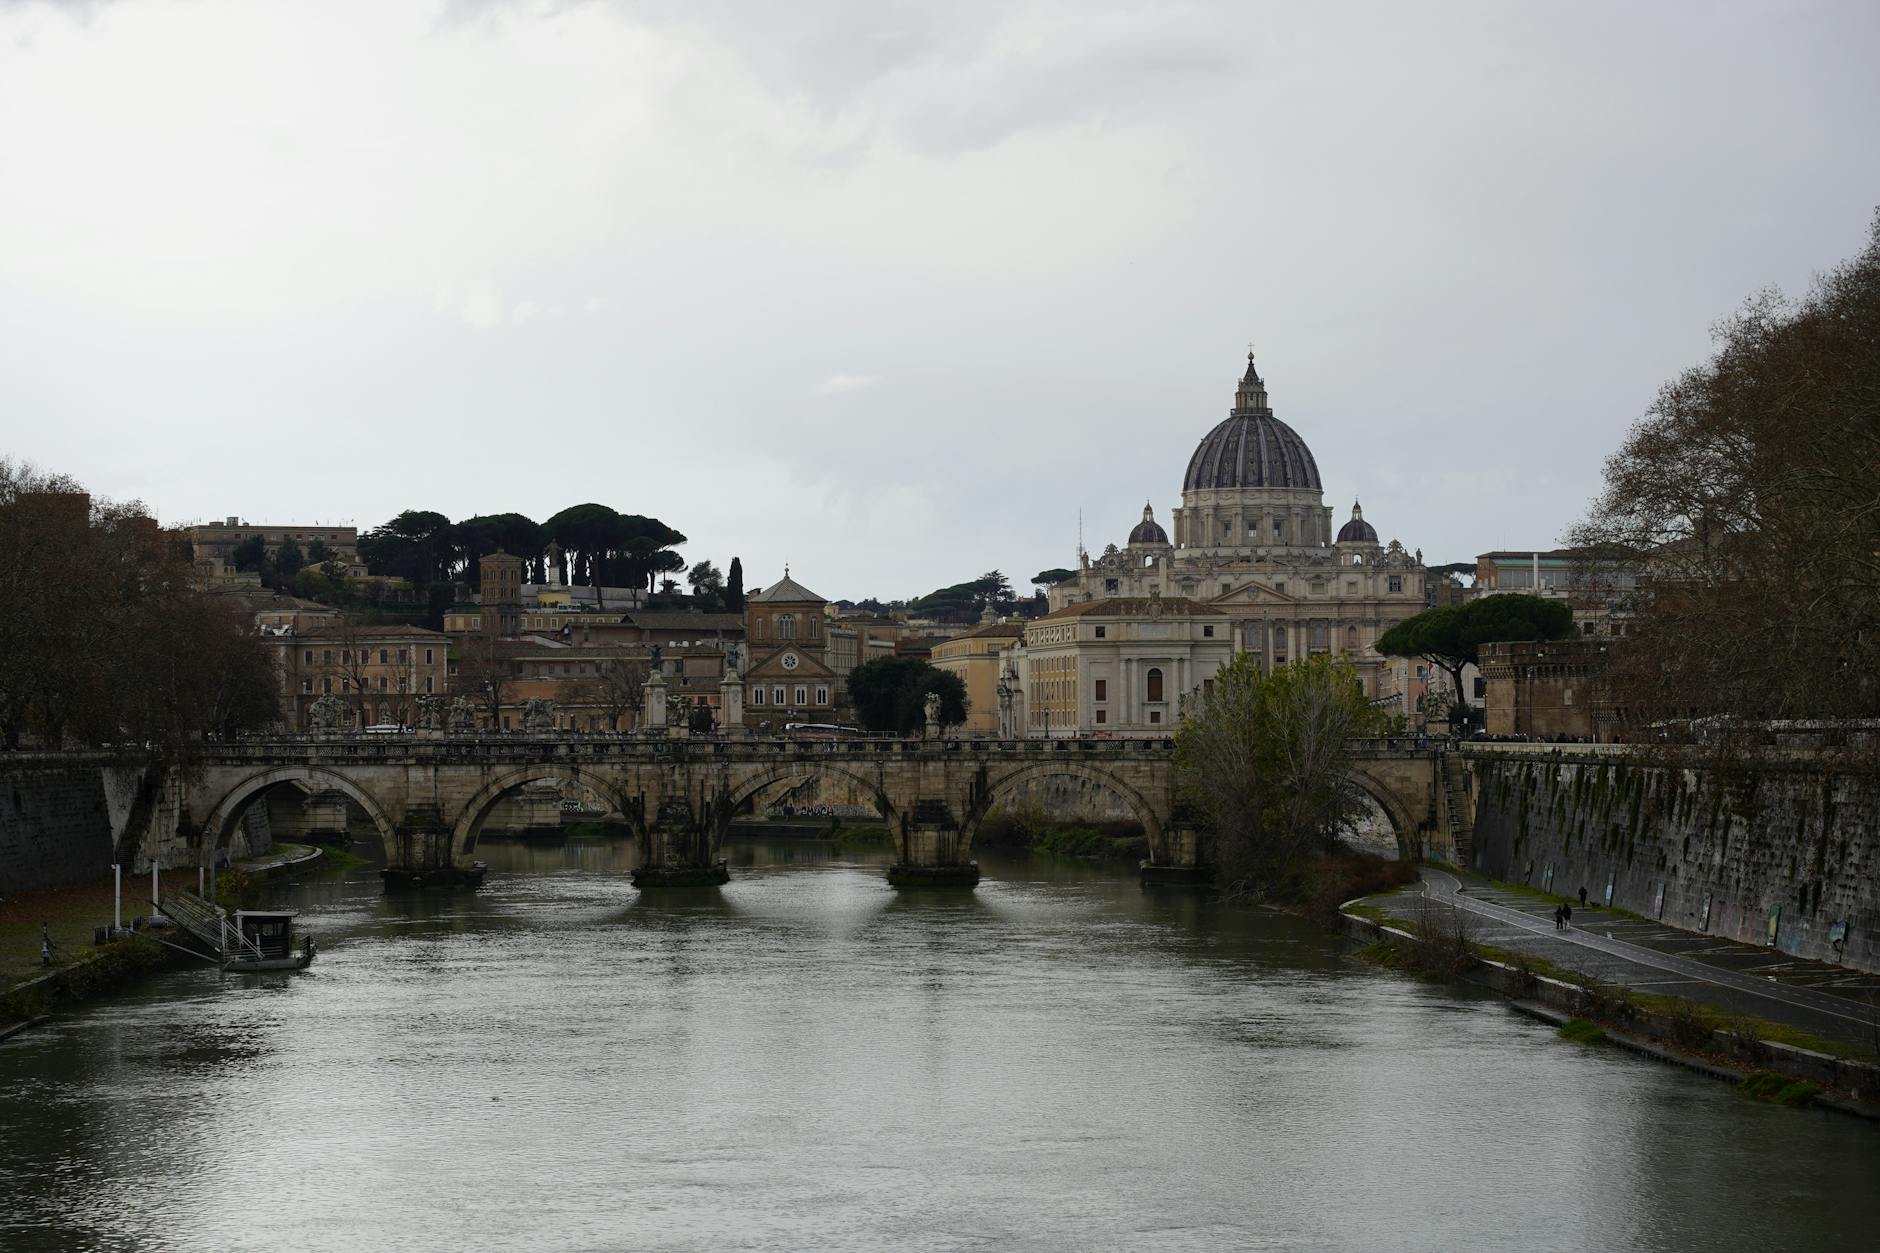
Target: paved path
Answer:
[[1647, 956]]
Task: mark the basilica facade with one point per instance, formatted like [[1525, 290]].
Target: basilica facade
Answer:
[[1255, 566]]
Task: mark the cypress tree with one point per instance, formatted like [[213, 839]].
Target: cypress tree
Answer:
[[734, 587]]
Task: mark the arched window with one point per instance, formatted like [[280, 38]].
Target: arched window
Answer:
[[757, 628], [1279, 638], [1154, 678], [1351, 639], [786, 627]]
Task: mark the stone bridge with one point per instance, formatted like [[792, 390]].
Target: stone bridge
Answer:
[[430, 796]]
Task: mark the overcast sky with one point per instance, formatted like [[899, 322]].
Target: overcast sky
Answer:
[[892, 291]]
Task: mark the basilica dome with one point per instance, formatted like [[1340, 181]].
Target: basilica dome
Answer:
[[1252, 448], [1357, 531], [1148, 531]]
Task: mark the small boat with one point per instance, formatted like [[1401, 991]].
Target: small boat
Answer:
[[264, 940]]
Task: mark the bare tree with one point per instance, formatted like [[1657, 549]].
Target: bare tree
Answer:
[[485, 674], [1747, 503]]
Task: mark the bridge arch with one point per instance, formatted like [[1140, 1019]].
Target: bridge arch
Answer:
[[1153, 823], [469, 823], [1402, 824], [221, 820], [744, 787]]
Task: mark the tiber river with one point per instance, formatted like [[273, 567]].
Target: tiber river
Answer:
[[808, 1060]]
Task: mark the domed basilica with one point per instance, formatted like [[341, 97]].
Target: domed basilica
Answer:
[[1255, 565]]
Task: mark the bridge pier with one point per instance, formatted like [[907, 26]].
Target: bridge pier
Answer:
[[933, 850], [681, 845], [1175, 858], [421, 854]]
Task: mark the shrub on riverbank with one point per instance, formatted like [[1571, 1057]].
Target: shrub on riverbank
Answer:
[[1033, 829], [96, 971], [1765, 1085], [1321, 884]]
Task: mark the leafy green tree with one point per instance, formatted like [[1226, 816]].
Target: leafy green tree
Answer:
[[1451, 636], [1053, 576], [513, 533], [317, 552], [890, 694], [734, 587], [288, 559], [1265, 758], [250, 554], [418, 546], [964, 602]]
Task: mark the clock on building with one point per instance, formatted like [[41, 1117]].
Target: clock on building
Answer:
[[789, 661]]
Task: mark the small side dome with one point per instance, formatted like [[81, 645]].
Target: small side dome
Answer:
[[1357, 531], [1148, 531]]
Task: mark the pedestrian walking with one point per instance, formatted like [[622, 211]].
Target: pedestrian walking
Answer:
[[1582, 897], [45, 944], [1566, 917], [1559, 918]]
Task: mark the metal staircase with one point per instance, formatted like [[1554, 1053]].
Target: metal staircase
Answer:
[[209, 925]]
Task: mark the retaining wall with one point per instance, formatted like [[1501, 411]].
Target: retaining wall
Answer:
[[1778, 852]]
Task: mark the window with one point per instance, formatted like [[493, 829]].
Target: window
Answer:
[[401, 682], [1153, 684], [1101, 632], [1155, 717], [776, 696], [802, 697], [384, 656], [345, 685], [326, 687], [757, 628], [1207, 632], [1109, 585], [1396, 582], [1103, 689], [1103, 716], [427, 684], [427, 656], [309, 656], [381, 683], [1279, 585], [822, 696], [786, 627], [757, 696], [326, 656], [306, 686]]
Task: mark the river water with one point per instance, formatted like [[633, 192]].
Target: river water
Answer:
[[806, 1059]]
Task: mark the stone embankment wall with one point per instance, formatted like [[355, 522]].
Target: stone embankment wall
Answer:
[[68, 824], [55, 829], [1775, 851]]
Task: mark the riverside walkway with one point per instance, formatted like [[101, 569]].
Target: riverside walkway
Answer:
[[1648, 957]]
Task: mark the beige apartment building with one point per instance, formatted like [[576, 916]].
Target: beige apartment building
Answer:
[[978, 658], [377, 672]]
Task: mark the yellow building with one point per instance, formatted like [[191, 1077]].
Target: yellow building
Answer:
[[978, 658]]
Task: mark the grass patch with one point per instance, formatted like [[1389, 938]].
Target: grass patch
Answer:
[[861, 837], [1581, 1031], [1766, 1085], [333, 857], [98, 970], [1383, 953]]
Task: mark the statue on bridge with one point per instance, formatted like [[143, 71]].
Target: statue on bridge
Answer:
[[462, 715], [931, 704], [430, 713], [538, 714], [326, 714]]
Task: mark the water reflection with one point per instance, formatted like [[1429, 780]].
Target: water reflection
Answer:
[[806, 1058]]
